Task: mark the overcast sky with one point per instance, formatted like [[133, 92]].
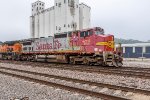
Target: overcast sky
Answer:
[[129, 19]]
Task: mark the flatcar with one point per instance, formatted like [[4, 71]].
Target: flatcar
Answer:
[[89, 46]]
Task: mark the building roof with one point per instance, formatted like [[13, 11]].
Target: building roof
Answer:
[[85, 5], [136, 45]]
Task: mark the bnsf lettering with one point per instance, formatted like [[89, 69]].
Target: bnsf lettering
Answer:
[[46, 46]]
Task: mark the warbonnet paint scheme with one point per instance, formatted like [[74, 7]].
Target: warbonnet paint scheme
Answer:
[[89, 46]]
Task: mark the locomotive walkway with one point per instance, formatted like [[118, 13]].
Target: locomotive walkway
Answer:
[[100, 90]]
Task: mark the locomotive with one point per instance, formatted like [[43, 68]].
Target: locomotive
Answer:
[[88, 46]]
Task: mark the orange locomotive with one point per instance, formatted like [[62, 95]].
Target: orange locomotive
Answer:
[[9, 50]]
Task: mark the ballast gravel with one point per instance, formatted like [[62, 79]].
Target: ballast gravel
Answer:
[[13, 88], [138, 64], [102, 78]]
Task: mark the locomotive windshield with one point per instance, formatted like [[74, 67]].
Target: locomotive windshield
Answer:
[[99, 31]]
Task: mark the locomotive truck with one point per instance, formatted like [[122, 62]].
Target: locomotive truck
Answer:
[[89, 47]]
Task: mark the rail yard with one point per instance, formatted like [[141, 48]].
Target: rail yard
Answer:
[[53, 81], [65, 58]]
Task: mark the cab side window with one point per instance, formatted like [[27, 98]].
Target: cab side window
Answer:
[[90, 33], [70, 34], [86, 34], [82, 34], [25, 48]]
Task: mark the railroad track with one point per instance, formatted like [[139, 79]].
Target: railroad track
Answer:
[[53, 63], [133, 72], [145, 74], [104, 87], [107, 87], [48, 83]]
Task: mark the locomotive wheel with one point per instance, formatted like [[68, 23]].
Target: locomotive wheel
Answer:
[[117, 64], [72, 61], [103, 64], [34, 59], [86, 62]]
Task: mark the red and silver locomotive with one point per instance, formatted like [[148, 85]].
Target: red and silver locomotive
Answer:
[[89, 46]]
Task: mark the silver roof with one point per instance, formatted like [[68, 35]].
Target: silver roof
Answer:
[[136, 45]]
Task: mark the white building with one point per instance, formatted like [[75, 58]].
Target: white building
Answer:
[[64, 16]]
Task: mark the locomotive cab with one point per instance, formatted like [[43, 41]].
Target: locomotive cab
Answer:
[[10, 49], [97, 47], [104, 48]]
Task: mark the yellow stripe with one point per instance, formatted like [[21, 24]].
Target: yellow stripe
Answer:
[[109, 44]]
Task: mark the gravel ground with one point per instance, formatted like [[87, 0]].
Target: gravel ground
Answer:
[[11, 88], [110, 79], [78, 85], [139, 64], [137, 59]]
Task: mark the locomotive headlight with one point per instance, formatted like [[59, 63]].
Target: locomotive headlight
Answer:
[[95, 49], [100, 50]]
